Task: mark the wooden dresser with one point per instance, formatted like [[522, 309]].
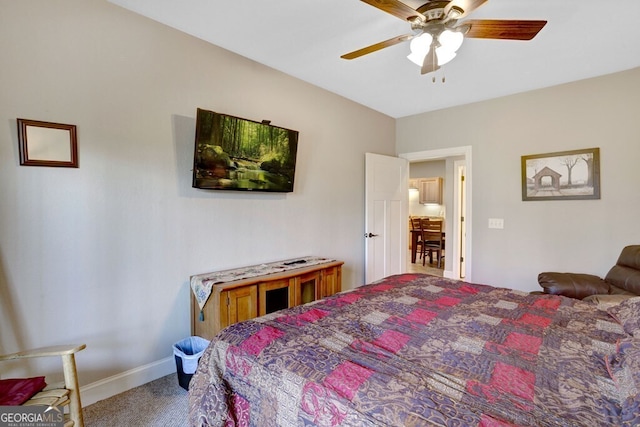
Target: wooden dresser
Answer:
[[237, 300]]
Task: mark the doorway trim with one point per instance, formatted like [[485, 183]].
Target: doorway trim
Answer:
[[444, 153]]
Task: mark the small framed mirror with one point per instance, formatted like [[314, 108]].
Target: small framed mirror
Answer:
[[47, 144]]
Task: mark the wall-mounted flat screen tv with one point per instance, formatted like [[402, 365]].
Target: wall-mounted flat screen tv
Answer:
[[239, 154]]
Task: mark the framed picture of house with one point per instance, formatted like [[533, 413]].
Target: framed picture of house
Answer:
[[565, 175]]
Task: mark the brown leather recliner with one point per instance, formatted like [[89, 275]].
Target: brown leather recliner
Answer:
[[623, 280]]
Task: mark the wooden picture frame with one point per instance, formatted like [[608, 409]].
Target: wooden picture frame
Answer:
[[47, 144], [565, 175]]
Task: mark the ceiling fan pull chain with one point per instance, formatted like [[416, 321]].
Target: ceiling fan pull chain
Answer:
[[433, 79]]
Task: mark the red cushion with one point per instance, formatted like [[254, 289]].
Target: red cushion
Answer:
[[16, 391]]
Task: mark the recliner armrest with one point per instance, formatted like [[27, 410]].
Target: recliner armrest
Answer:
[[574, 285], [612, 299]]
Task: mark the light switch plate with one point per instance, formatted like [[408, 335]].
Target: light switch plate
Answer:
[[496, 223]]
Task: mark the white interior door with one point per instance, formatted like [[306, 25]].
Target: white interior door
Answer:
[[386, 214]]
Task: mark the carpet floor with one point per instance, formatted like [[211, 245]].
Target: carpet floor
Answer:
[[158, 403]]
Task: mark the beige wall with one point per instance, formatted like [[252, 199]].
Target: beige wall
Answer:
[[583, 235], [102, 254]]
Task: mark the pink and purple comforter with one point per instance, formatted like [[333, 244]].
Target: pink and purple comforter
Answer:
[[415, 350]]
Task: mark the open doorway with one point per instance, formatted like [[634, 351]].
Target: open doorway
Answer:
[[426, 205], [457, 201]]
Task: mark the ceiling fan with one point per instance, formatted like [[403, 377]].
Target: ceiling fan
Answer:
[[437, 34]]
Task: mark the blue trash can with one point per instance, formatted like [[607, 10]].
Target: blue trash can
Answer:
[[187, 353]]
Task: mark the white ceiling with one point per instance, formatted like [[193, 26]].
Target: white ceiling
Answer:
[[304, 38]]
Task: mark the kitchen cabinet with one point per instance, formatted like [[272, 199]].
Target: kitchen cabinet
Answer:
[[430, 190]]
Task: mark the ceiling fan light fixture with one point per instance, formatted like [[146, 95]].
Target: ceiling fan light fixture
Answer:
[[448, 43], [419, 48], [421, 44], [450, 40]]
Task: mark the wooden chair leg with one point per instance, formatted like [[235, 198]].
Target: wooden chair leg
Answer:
[[71, 383]]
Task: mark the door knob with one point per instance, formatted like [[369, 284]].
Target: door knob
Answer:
[[370, 235]]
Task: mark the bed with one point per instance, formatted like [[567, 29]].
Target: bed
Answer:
[[414, 350]]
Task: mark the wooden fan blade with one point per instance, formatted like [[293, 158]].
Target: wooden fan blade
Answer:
[[430, 61], [375, 47], [503, 29], [464, 7], [397, 9]]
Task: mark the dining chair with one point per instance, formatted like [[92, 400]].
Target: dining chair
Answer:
[[432, 240], [416, 226]]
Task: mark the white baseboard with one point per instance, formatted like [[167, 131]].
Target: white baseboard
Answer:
[[447, 274], [105, 388]]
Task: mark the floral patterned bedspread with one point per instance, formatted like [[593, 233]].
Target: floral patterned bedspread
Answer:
[[414, 350]]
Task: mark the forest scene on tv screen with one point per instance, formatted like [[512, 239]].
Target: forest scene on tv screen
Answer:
[[238, 154]]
